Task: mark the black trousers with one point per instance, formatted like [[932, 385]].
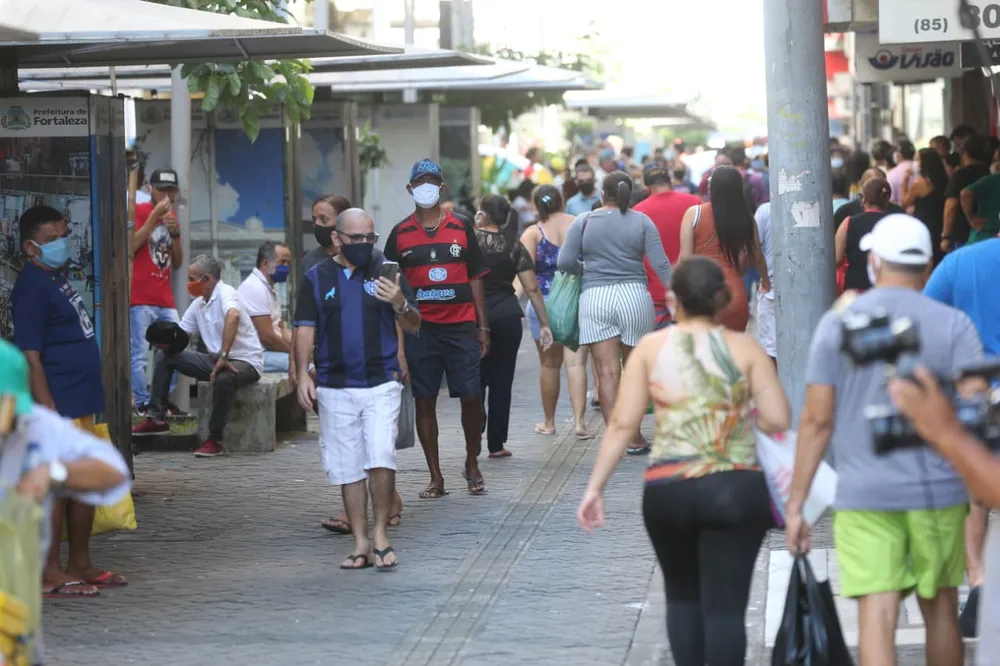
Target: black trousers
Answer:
[[496, 377], [707, 532]]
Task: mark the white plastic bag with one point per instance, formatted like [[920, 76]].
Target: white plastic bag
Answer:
[[776, 454]]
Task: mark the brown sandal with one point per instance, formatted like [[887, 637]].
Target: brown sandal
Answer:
[[433, 492]]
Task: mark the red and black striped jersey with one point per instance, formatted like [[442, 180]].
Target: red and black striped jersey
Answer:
[[438, 264]]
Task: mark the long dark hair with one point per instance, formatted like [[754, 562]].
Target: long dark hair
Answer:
[[502, 214], [932, 168], [617, 187], [548, 199], [734, 223], [700, 286]]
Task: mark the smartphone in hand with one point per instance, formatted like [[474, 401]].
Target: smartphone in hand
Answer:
[[390, 269]]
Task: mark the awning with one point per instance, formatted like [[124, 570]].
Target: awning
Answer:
[[411, 58], [500, 76], [133, 32], [625, 106]]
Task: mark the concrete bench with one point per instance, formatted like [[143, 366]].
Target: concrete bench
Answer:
[[258, 413]]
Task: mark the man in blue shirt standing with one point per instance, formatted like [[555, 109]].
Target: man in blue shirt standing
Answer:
[[347, 316], [966, 280], [54, 330], [587, 195]]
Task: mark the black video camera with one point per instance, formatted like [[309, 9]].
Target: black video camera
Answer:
[[868, 338]]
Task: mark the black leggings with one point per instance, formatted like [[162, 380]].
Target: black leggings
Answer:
[[496, 376], [706, 533]]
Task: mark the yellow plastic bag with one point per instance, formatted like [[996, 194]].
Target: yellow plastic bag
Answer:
[[20, 572], [117, 517]]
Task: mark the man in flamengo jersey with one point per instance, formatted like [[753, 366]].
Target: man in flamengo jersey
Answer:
[[440, 257]]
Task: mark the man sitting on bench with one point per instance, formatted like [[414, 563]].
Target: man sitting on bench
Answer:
[[235, 357], [261, 300]]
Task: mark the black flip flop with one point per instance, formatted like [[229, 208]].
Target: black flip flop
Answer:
[[382, 554], [57, 591], [354, 558], [479, 480], [342, 526]]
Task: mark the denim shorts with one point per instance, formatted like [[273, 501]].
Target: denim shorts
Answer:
[[532, 316]]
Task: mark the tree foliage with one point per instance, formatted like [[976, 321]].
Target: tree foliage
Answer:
[[497, 109], [249, 90]]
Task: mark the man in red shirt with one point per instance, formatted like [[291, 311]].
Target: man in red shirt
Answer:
[[440, 257], [666, 209], [155, 244]]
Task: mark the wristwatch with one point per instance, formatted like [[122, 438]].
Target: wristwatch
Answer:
[[406, 308], [58, 474], [224, 356]]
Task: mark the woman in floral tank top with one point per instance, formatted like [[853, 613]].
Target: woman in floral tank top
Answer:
[[705, 504]]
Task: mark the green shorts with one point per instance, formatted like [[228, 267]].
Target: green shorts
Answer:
[[900, 551]]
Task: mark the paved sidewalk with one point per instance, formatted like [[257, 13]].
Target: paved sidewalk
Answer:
[[230, 566]]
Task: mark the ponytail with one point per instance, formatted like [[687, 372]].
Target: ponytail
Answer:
[[623, 196], [617, 188], [548, 199]]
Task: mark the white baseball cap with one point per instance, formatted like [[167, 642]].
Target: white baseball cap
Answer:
[[899, 239]]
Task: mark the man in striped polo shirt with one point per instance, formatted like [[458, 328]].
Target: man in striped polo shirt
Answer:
[[440, 257], [347, 316]]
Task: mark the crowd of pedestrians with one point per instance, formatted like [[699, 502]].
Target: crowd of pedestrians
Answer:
[[666, 269]]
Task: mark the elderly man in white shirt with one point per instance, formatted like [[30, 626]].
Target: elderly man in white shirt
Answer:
[[235, 357], [261, 300], [44, 457]]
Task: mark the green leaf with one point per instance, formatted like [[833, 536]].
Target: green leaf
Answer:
[[212, 94], [235, 83], [251, 125]]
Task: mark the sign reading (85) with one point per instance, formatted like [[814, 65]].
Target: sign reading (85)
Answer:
[[919, 21]]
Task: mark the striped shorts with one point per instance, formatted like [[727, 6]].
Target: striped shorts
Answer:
[[616, 311]]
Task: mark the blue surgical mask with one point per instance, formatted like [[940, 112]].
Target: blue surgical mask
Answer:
[[837, 162], [54, 254], [280, 273]]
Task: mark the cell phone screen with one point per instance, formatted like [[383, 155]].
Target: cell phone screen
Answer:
[[390, 269]]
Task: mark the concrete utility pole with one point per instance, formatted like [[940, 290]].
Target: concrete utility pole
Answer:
[[321, 14], [180, 161], [409, 32], [798, 129]]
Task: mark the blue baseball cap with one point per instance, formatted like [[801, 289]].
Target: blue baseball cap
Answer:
[[426, 167]]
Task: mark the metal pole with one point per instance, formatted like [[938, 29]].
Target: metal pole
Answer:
[[321, 14], [409, 34], [180, 161], [801, 200]]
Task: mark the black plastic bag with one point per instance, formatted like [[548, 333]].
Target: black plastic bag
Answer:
[[810, 633], [170, 334]]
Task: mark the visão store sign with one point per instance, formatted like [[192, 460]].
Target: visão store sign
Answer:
[[923, 21], [903, 63]]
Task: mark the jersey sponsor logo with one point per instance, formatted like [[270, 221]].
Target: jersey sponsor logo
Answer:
[[370, 287], [437, 274], [330, 294], [435, 294], [455, 249]]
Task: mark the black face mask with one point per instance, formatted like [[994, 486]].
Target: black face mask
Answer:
[[586, 188], [324, 235]]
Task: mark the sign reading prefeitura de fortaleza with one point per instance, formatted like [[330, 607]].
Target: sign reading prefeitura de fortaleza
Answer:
[[921, 21], [44, 117]]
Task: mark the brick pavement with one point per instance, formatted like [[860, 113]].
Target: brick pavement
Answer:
[[229, 565]]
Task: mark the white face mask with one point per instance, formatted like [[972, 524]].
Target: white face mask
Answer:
[[427, 195], [873, 265]]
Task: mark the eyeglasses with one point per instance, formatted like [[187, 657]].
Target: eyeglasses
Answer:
[[360, 238]]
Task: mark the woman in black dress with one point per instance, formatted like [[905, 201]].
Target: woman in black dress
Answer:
[[924, 197]]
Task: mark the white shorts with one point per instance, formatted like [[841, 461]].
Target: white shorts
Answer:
[[767, 330], [357, 430], [616, 311]]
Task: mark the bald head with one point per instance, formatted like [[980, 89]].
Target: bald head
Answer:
[[869, 174], [355, 221]]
